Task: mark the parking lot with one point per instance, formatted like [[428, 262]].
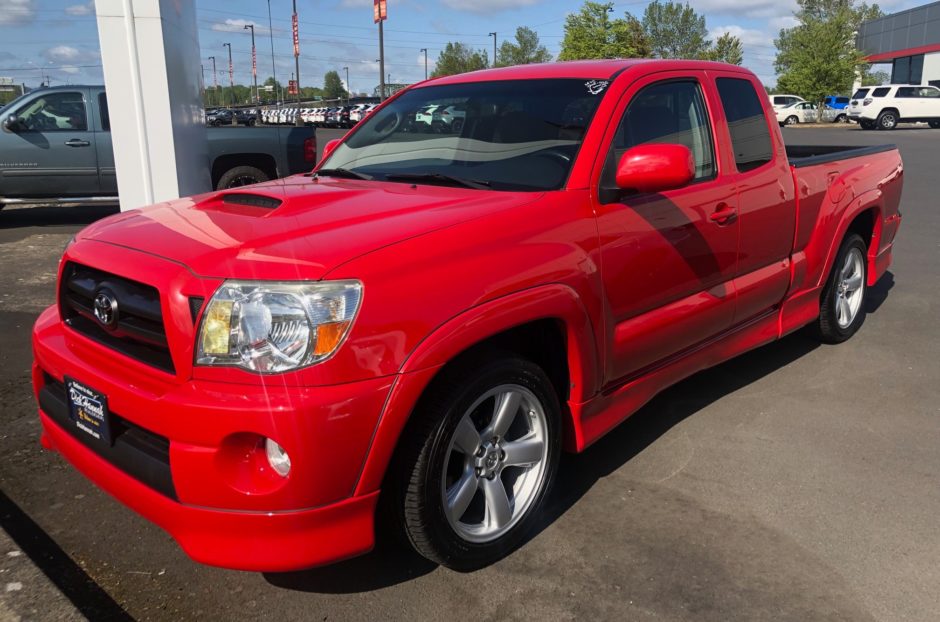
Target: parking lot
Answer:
[[798, 482]]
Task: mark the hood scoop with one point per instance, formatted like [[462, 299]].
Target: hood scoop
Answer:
[[251, 200]]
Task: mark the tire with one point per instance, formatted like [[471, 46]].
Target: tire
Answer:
[[865, 124], [842, 307], [887, 120], [934, 124], [842, 119], [791, 120], [484, 522], [241, 176]]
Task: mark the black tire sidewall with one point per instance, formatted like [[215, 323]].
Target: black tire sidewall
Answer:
[[241, 171], [452, 550], [828, 328]]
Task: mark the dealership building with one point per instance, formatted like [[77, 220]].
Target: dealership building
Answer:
[[909, 41]]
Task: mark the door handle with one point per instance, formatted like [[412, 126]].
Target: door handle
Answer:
[[723, 214], [77, 142]]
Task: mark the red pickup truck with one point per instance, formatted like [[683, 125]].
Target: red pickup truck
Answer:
[[434, 314]]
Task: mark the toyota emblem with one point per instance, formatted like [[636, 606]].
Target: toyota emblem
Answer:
[[106, 308]]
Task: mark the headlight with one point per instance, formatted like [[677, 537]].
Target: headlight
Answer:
[[276, 326]]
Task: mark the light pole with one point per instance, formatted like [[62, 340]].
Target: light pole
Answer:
[[298, 120], [231, 76], [277, 95], [348, 90], [215, 80], [493, 34], [425, 50], [254, 59]]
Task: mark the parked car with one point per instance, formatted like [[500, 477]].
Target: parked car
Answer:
[[781, 100], [62, 136], [222, 116], [837, 102], [246, 117], [433, 321], [883, 107], [800, 112]]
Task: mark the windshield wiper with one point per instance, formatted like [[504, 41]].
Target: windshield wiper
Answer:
[[477, 184], [343, 172]]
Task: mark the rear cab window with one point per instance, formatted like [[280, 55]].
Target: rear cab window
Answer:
[[747, 124]]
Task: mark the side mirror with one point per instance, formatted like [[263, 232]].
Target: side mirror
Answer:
[[13, 123], [655, 168], [329, 147]]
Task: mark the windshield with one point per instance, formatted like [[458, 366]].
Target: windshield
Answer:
[[505, 135]]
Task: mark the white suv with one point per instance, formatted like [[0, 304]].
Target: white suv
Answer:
[[883, 107]]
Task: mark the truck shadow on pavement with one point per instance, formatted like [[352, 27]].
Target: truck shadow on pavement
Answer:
[[392, 563], [24, 218]]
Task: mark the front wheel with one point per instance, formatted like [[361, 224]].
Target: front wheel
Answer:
[[478, 461], [792, 120], [842, 307]]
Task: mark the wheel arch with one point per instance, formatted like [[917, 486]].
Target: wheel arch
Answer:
[[865, 220], [547, 324]]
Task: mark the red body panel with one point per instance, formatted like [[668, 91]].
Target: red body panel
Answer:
[[644, 292]]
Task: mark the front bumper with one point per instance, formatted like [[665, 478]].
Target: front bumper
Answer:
[[211, 487]]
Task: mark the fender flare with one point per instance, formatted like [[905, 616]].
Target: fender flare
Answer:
[[869, 201], [455, 336]]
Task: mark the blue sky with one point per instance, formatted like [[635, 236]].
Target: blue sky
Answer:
[[59, 37]]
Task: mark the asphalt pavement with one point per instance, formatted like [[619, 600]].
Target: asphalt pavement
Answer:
[[797, 482]]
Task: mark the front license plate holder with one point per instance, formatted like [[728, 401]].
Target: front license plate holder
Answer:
[[88, 410]]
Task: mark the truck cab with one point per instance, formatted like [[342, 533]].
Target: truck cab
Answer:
[[56, 142]]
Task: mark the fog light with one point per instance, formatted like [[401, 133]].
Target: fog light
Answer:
[[277, 457]]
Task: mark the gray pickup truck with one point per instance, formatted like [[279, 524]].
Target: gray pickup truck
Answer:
[[55, 147]]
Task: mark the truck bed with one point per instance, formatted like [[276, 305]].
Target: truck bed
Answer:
[[809, 155]]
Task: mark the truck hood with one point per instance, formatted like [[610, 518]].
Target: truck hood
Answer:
[[294, 228]]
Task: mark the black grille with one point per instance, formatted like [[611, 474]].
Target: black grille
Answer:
[[140, 453], [138, 331]]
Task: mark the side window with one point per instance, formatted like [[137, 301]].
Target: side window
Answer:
[[907, 91], [103, 111], [666, 112], [842, 100], [880, 92], [750, 136], [54, 112], [929, 92]]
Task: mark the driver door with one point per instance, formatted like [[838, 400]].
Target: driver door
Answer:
[[51, 153]]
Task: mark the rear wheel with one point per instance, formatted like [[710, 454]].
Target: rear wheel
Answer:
[[842, 308], [887, 120], [791, 120], [935, 124], [241, 176], [478, 460]]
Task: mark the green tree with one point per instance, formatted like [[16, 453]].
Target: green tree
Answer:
[[459, 58], [817, 57], [525, 50], [726, 49], [333, 86], [591, 33], [675, 30]]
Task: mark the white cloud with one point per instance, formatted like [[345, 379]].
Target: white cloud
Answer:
[[62, 53], [747, 8], [81, 9], [16, 11], [69, 69], [238, 25], [747, 36], [488, 6], [355, 4]]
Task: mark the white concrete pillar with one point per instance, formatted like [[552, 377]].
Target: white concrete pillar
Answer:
[[150, 55]]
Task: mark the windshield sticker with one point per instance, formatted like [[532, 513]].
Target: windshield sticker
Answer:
[[595, 87]]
